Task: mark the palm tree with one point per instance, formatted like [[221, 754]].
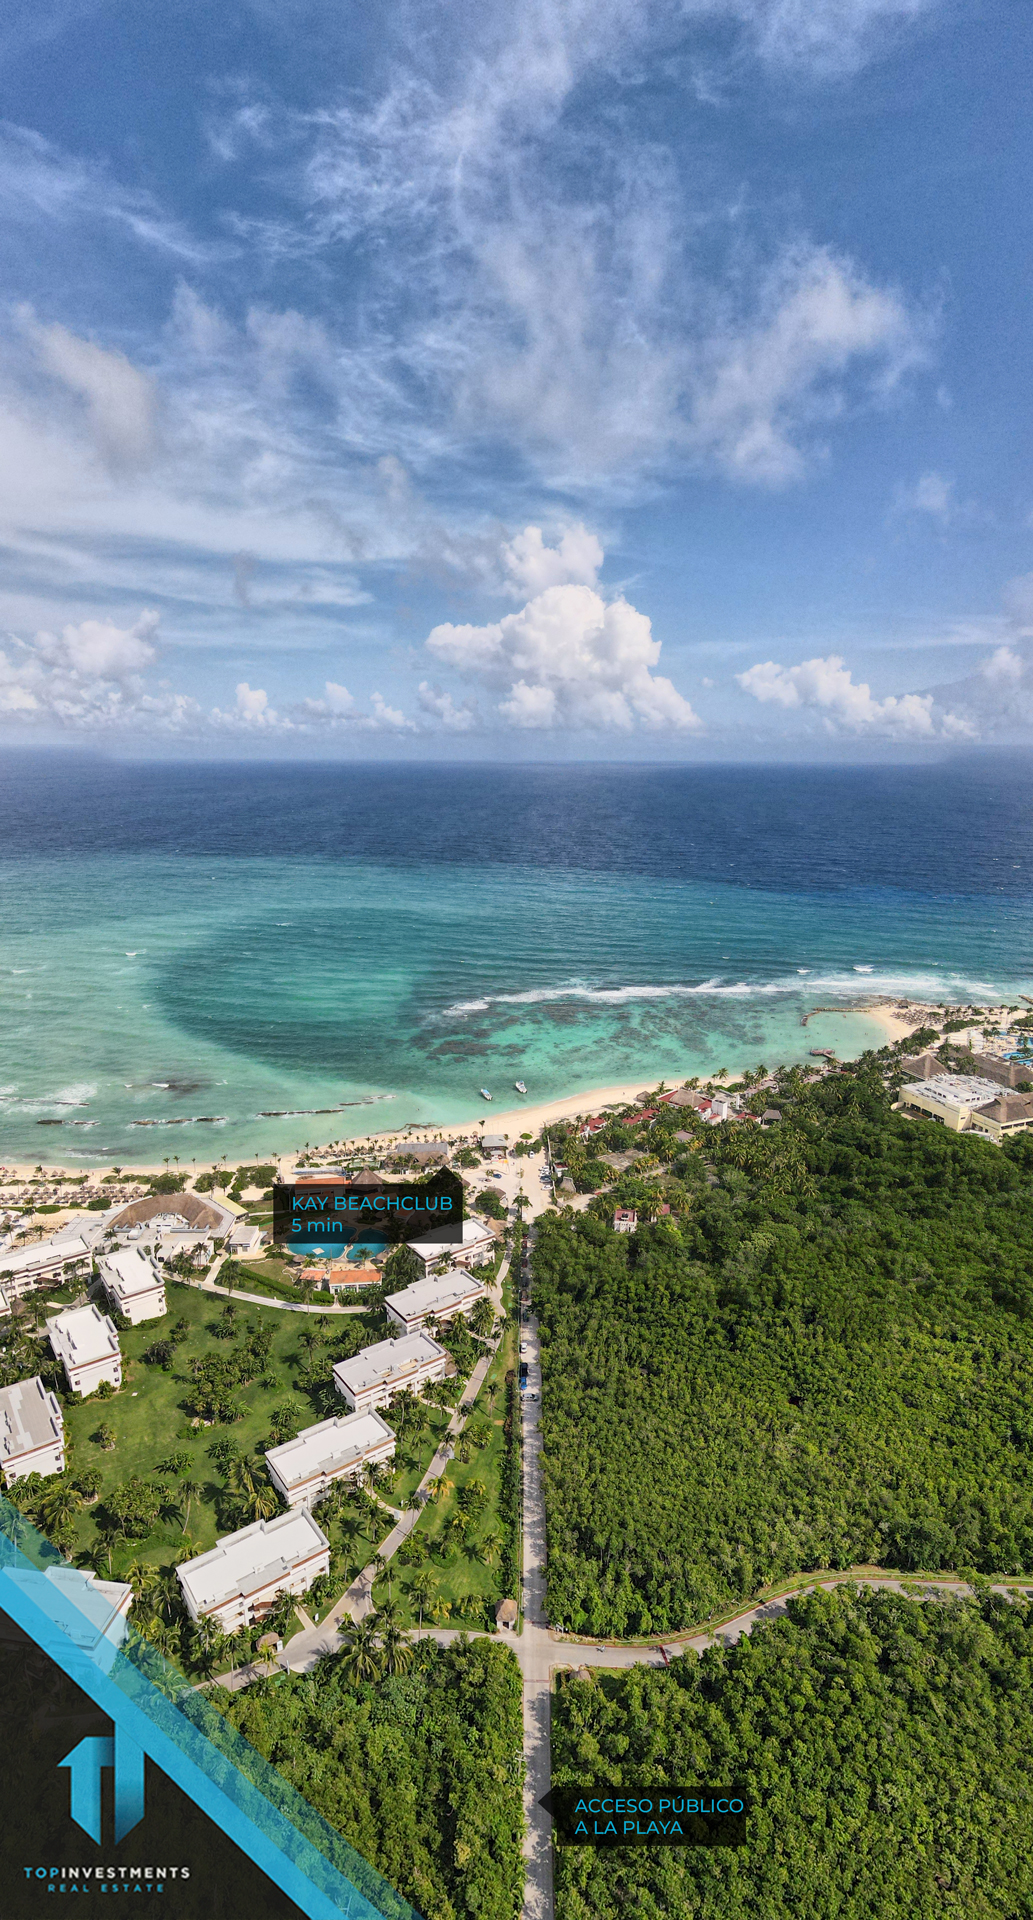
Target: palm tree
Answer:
[[209, 1645], [422, 1591], [282, 1612], [59, 1507], [190, 1490], [398, 1654], [361, 1658], [257, 1498]]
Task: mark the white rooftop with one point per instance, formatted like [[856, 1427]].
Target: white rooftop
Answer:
[[81, 1335], [131, 1272], [255, 1557], [957, 1089], [329, 1447], [474, 1233], [432, 1295], [29, 1417], [387, 1361], [61, 1246]]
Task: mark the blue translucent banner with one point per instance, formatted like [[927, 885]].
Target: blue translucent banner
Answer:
[[156, 1712]]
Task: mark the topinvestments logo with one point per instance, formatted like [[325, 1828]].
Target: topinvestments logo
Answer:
[[153, 1715], [87, 1763]]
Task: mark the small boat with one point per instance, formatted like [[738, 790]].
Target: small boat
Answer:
[[485, 1095], [520, 1087]]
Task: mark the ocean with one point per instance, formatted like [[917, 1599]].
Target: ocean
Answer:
[[200, 960]]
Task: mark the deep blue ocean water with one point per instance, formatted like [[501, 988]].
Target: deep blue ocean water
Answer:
[[204, 945]]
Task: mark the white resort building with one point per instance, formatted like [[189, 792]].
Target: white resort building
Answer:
[[32, 1431], [370, 1378], [23, 1269], [434, 1299], [85, 1342], [477, 1244], [303, 1469], [133, 1283], [238, 1581]]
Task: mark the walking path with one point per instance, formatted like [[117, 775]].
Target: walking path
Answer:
[[208, 1285], [356, 1602]]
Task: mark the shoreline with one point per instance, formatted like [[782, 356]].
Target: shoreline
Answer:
[[895, 1018]]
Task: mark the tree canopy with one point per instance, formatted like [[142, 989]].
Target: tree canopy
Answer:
[[822, 1359], [883, 1744]]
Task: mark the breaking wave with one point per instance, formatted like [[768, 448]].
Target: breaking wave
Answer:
[[840, 985]]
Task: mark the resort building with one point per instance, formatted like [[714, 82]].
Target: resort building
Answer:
[[372, 1377], [32, 1431], [429, 1153], [85, 1342], [434, 1299], [133, 1283], [238, 1581], [92, 1614], [494, 1146], [625, 1220], [303, 1469], [476, 1245], [245, 1239], [966, 1103], [169, 1216], [23, 1269]]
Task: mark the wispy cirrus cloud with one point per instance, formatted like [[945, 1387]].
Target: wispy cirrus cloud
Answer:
[[39, 180]]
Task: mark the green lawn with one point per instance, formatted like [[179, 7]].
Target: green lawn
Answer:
[[406, 1478], [150, 1420]]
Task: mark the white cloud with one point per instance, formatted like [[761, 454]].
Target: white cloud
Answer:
[[761, 385], [86, 678], [569, 659], [931, 494], [387, 719], [39, 181], [828, 685], [120, 400], [531, 565], [1004, 668], [98, 650], [442, 706], [824, 37], [253, 703]]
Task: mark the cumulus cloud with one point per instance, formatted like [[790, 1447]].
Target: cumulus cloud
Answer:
[[387, 719], [532, 566], [87, 678], [829, 686], [253, 706], [569, 659], [442, 707]]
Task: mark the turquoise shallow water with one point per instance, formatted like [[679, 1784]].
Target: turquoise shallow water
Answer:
[[256, 958], [147, 988]]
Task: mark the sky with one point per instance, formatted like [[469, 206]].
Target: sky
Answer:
[[562, 378]]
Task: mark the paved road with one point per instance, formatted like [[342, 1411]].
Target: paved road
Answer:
[[534, 1647]]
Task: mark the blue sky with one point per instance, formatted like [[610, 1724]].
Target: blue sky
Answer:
[[579, 378]]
